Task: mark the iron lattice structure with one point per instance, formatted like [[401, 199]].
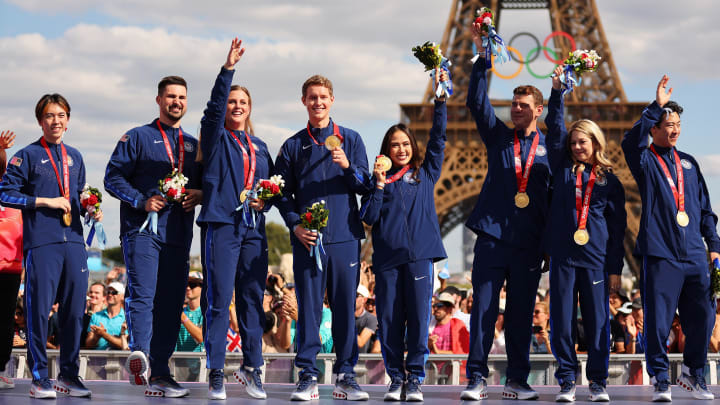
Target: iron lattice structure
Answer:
[[600, 98]]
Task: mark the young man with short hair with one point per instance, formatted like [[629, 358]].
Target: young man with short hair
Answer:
[[677, 222], [324, 162], [105, 329]]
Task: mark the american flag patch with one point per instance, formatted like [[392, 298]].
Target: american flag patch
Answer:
[[124, 138], [16, 161]]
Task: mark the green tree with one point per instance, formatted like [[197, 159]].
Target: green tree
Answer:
[[278, 242], [114, 253]]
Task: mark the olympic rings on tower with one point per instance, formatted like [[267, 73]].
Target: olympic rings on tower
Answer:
[[533, 54]]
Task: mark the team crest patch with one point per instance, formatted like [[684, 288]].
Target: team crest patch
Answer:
[[408, 177], [601, 181], [70, 161], [541, 151], [686, 164], [16, 161], [189, 147], [124, 138]]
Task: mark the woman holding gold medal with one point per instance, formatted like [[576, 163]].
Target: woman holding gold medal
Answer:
[[584, 239], [44, 180], [406, 242], [234, 248]]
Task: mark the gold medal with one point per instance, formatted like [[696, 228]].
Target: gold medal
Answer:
[[243, 196], [384, 162], [682, 218], [67, 219], [581, 237], [522, 200], [332, 142]]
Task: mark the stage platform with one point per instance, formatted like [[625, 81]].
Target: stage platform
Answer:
[[120, 392]]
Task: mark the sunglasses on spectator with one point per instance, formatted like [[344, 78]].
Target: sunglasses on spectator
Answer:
[[439, 305], [194, 285], [112, 292], [537, 311]]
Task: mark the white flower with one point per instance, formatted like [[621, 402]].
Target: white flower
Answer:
[[487, 21], [91, 209], [322, 202]]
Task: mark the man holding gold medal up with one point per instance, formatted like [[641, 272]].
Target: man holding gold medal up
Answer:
[[676, 217]]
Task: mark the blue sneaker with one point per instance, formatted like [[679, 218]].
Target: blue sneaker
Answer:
[[598, 393], [413, 390], [71, 386], [395, 390], [216, 384], [567, 392], [519, 390], [662, 391], [476, 389], [251, 379], [165, 386], [347, 388], [42, 388], [306, 388]]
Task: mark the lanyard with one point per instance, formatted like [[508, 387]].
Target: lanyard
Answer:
[[336, 132], [582, 205], [397, 175], [168, 149], [679, 191], [249, 173], [523, 175], [65, 191]]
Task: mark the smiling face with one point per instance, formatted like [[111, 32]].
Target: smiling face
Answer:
[[54, 122], [238, 110], [401, 151], [172, 103], [317, 101], [667, 132], [523, 111], [581, 147]]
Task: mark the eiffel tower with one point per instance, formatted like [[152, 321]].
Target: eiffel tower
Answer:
[[600, 97]]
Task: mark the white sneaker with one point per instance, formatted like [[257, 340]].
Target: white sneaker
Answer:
[[519, 390], [306, 389], [662, 391], [598, 393], [395, 390], [476, 389], [250, 378], [347, 388], [567, 392], [696, 385], [6, 383], [216, 385]]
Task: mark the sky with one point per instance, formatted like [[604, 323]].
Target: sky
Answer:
[[106, 58]]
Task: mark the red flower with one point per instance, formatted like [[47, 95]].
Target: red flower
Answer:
[[92, 200], [308, 216], [172, 193], [265, 184], [84, 203], [584, 56], [167, 179], [182, 191], [274, 188]]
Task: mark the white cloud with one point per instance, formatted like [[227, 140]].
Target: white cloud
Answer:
[[710, 165]]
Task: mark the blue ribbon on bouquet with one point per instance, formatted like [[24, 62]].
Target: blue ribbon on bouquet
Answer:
[[95, 227], [317, 250], [247, 213], [494, 45], [569, 79], [150, 223], [445, 87]]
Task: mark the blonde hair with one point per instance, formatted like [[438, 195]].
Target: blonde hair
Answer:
[[599, 143], [248, 124]]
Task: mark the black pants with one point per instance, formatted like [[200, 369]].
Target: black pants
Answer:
[[9, 286]]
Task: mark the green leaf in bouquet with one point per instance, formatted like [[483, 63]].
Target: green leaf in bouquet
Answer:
[[428, 54]]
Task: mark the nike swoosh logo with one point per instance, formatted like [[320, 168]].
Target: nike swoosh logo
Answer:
[[158, 141], [43, 161], [306, 146], [353, 264], [597, 282], [83, 270], [419, 278]]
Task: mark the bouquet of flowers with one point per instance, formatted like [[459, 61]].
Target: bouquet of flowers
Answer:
[[314, 219], [578, 62], [267, 189], [430, 55], [715, 278], [493, 43], [315, 216], [90, 199], [172, 186]]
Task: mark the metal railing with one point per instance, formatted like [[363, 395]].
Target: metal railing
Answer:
[[440, 369]]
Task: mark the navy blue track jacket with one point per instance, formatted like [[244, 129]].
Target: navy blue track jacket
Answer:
[[223, 175], [30, 175], [660, 235], [138, 162], [405, 225], [606, 218]]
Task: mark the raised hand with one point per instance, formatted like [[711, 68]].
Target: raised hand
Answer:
[[7, 139], [477, 33], [556, 83], [662, 96], [236, 52]]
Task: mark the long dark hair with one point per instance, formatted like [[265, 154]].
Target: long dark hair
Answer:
[[416, 159]]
